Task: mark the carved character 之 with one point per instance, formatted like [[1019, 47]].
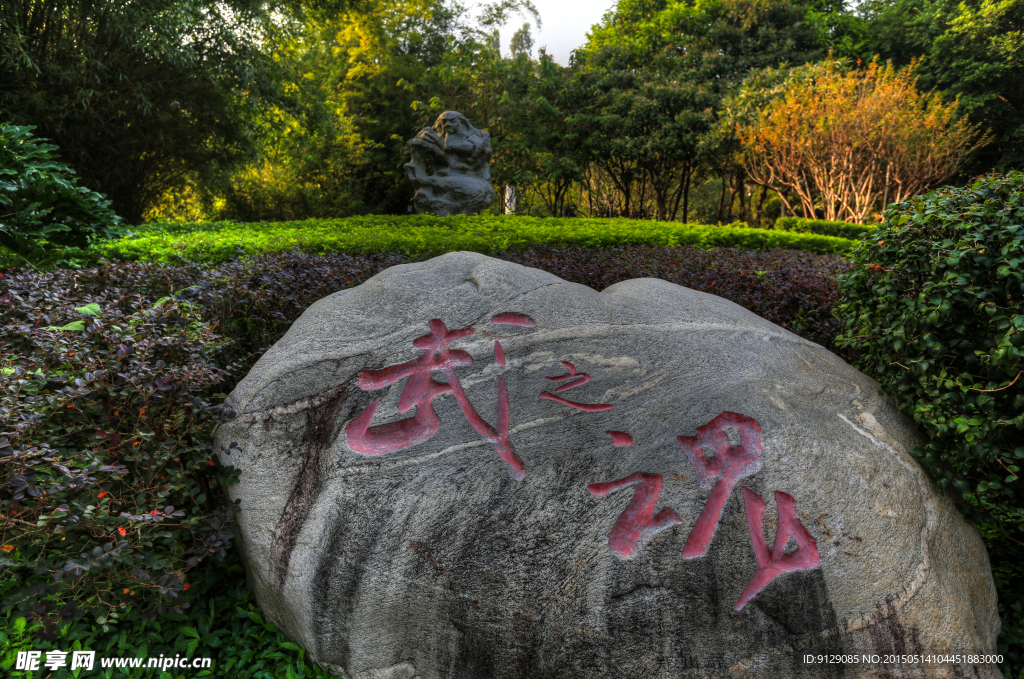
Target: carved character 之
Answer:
[[572, 380]]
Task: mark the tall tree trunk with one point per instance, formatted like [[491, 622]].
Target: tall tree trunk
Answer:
[[641, 201], [732, 199], [681, 189], [760, 206], [721, 198], [885, 194], [686, 197], [660, 200], [590, 195], [741, 188]]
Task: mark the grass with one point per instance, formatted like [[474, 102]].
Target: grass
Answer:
[[427, 235]]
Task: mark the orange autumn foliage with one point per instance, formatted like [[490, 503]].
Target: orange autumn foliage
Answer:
[[851, 142]]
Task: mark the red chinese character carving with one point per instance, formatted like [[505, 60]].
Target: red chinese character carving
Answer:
[[638, 523], [513, 319], [620, 438], [723, 471], [420, 391], [574, 380], [499, 353], [771, 565]]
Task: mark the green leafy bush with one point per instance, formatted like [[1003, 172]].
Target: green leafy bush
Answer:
[[222, 623], [427, 235], [109, 482], [16, 634], [824, 227], [933, 310], [44, 215], [110, 501]]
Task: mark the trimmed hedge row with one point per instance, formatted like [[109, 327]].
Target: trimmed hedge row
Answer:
[[423, 236], [824, 227]]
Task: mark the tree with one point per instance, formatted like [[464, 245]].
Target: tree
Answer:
[[542, 155], [741, 109], [139, 94], [852, 140], [371, 72], [355, 78], [973, 50], [644, 132], [522, 42], [663, 69]]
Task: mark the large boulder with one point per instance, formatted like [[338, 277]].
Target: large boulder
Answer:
[[468, 468]]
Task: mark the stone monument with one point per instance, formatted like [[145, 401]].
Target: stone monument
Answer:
[[449, 167], [469, 468]]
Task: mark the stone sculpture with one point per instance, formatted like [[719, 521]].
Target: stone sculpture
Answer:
[[449, 167], [468, 468]]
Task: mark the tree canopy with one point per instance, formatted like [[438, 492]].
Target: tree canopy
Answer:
[[971, 49], [851, 139], [256, 109], [137, 94]]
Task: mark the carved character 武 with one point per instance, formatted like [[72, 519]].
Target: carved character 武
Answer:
[[420, 391]]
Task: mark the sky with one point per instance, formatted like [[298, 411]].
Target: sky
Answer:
[[565, 25]]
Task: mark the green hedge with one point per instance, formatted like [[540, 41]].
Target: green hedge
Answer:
[[934, 310], [824, 227], [426, 235]]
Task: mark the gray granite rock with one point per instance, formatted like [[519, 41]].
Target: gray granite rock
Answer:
[[449, 167], [589, 485]]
